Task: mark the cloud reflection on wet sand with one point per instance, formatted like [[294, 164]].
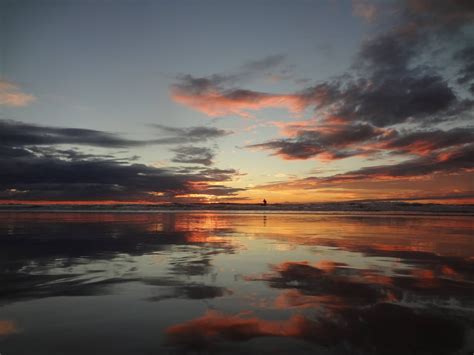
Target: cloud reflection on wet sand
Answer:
[[223, 282]]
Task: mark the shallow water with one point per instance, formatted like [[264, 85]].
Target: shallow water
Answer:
[[172, 283]]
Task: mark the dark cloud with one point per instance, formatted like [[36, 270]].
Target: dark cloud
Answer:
[[386, 101], [455, 160], [392, 82], [33, 168], [335, 285], [337, 141], [465, 57], [43, 261], [425, 142], [264, 64], [15, 133], [32, 177], [180, 135], [445, 16], [193, 291], [326, 142], [248, 71], [389, 86], [193, 155], [336, 282]]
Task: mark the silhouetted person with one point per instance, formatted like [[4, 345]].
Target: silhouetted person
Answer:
[[264, 202]]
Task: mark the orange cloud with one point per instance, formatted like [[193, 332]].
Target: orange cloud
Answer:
[[7, 327], [364, 9], [214, 326], [216, 103], [11, 95]]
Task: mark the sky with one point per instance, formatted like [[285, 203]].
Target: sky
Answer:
[[297, 101]]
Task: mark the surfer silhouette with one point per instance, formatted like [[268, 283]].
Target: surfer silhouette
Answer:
[[264, 202]]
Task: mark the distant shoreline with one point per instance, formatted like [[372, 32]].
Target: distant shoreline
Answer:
[[340, 207]]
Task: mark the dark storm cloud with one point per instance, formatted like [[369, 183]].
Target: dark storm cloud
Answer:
[[193, 155]]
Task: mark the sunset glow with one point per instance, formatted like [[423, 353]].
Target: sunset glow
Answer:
[[374, 104]]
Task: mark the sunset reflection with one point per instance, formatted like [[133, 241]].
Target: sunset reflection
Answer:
[[238, 282]]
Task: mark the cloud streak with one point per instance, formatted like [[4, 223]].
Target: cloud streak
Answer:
[[20, 133]]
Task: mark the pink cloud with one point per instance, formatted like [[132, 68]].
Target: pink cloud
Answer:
[[11, 95], [216, 103]]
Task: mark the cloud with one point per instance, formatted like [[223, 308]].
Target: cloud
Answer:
[[264, 64], [364, 9], [431, 15], [30, 177], [359, 329], [323, 141], [424, 142], [179, 135], [61, 254], [387, 88], [338, 139], [216, 95], [33, 168], [11, 95], [396, 99], [327, 280], [193, 155], [213, 327], [390, 82], [20, 133], [204, 95], [456, 160], [465, 57], [14, 133], [7, 327]]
